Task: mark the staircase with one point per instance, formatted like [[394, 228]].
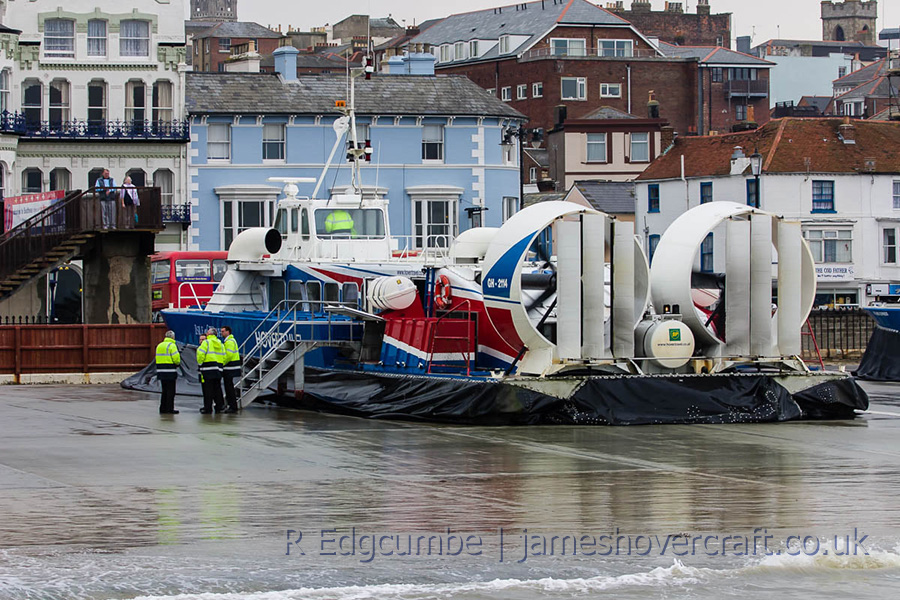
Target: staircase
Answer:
[[454, 342], [279, 348], [59, 233]]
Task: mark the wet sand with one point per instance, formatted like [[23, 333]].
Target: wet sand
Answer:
[[102, 497]]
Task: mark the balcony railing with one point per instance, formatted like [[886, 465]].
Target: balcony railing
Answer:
[[178, 131], [747, 88], [176, 213], [537, 53]]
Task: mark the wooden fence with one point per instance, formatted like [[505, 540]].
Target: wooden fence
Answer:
[[78, 348]]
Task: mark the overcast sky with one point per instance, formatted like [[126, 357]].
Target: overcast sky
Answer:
[[763, 19]]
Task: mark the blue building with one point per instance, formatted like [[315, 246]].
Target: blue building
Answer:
[[443, 154]]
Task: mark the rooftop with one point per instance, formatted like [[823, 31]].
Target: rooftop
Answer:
[[789, 145], [612, 197], [713, 55], [267, 93], [530, 20], [238, 29]]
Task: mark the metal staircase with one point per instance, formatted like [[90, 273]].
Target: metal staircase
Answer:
[[462, 344], [270, 352]]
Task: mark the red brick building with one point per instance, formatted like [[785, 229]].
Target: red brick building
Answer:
[[211, 48]]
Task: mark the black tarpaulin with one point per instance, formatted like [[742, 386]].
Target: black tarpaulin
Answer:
[[881, 362], [188, 383]]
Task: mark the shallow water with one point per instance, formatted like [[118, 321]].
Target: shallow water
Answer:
[[102, 498]]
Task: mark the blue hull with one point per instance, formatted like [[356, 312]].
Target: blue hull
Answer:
[[886, 317]]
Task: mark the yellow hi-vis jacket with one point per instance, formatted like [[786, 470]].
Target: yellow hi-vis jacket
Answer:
[[211, 357], [167, 360], [232, 357], [339, 221]]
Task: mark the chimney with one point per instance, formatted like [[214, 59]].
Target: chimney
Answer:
[[286, 62], [653, 106], [743, 44], [642, 6], [560, 112], [419, 62], [667, 137], [847, 131], [703, 7]]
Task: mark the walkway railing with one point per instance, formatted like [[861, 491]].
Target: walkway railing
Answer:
[[19, 123]]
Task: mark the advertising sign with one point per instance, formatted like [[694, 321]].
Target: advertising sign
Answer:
[[18, 209], [835, 272]]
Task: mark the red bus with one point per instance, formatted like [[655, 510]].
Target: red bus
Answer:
[[185, 279]]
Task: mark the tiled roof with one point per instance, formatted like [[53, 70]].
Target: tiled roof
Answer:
[[541, 156], [819, 102], [879, 87], [398, 41], [239, 29], [266, 93], [530, 199], [382, 22], [613, 197], [860, 76], [713, 55], [789, 145], [532, 19]]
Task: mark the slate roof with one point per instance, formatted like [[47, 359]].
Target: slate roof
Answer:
[[238, 29], [540, 156], [860, 76], [880, 87], [530, 199], [266, 93], [713, 55], [789, 145], [384, 22], [608, 112], [819, 102], [532, 19], [613, 197]]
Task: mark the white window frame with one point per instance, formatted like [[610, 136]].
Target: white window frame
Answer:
[[632, 143], [510, 207], [224, 144], [459, 51], [619, 49], [473, 49], [886, 248], [532, 174], [896, 194], [610, 90], [225, 45], [503, 44], [492, 92], [164, 179], [819, 237], [100, 43], [522, 91], [506, 93], [439, 143], [571, 47], [446, 53], [597, 142], [63, 42], [102, 107], [275, 143], [581, 88], [537, 89], [25, 174], [62, 108], [5, 75], [140, 42], [162, 109]]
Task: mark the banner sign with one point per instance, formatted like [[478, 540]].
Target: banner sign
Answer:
[[18, 209]]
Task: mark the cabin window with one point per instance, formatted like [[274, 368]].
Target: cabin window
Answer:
[[304, 224], [276, 293], [357, 223], [281, 222], [294, 219], [332, 293], [314, 294], [350, 294]]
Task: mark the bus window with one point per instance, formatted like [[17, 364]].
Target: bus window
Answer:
[[276, 292], [293, 220], [314, 293], [219, 268], [192, 270], [350, 294], [332, 293], [304, 224], [159, 270]]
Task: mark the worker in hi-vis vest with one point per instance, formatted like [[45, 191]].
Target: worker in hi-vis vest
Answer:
[[340, 224], [211, 360], [167, 360], [232, 368]]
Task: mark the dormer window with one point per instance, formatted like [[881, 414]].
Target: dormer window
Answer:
[[473, 49], [504, 44], [446, 53], [459, 51]]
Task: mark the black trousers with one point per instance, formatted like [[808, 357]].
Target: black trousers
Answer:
[[230, 395], [167, 398], [212, 393]]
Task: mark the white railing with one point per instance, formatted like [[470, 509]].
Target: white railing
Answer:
[[200, 300], [403, 248]]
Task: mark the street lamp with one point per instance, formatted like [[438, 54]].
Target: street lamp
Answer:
[[756, 168]]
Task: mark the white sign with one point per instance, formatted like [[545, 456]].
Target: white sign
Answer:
[[835, 272]]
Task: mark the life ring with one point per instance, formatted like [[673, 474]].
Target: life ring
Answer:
[[442, 293]]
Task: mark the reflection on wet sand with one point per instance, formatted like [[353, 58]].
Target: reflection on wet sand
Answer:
[[95, 469]]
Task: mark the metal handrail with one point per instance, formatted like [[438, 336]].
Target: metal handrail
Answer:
[[173, 129], [190, 284], [468, 304]]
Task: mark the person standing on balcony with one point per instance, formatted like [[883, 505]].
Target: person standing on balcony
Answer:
[[232, 368], [167, 361], [128, 202], [107, 197]]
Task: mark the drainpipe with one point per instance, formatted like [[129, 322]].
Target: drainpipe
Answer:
[[628, 69], [700, 100], [687, 194]]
